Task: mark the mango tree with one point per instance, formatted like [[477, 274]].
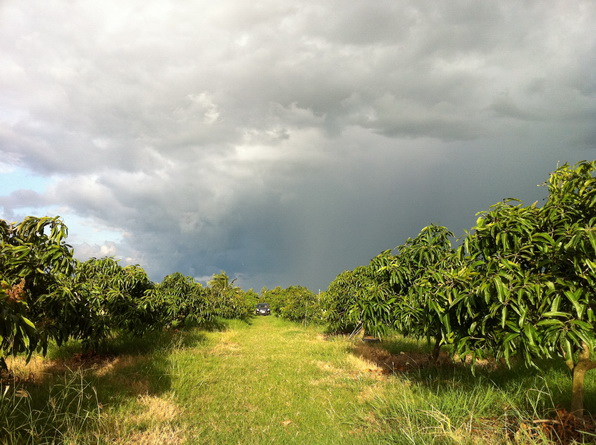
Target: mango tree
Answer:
[[179, 301], [298, 303], [33, 258], [228, 299], [533, 279], [359, 300], [110, 299], [340, 297], [422, 275]]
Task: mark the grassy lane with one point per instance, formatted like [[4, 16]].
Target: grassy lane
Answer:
[[276, 382], [271, 382]]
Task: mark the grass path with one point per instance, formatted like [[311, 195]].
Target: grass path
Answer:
[[271, 382]]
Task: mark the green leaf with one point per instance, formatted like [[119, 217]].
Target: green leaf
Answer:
[[28, 322], [530, 334], [550, 323], [573, 297], [501, 292], [503, 316], [583, 325], [551, 314]]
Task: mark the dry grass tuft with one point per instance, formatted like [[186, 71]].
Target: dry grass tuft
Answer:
[[37, 370], [226, 348], [103, 368], [328, 367], [154, 424], [157, 435], [40, 370], [363, 364], [394, 362], [370, 393], [157, 409], [357, 368]]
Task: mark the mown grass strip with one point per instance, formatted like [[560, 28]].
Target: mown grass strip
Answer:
[[271, 382]]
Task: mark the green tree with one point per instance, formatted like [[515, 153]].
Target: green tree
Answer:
[[423, 276], [227, 299], [359, 299], [533, 277], [110, 299], [179, 301], [33, 259], [300, 304], [275, 297]]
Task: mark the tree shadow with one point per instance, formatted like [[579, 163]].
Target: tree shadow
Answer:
[[71, 388], [215, 325], [123, 343], [549, 385]]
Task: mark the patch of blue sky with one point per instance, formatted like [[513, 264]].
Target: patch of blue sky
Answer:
[[84, 230], [17, 178], [81, 230]]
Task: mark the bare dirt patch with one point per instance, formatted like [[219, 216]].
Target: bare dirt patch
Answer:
[[391, 363]]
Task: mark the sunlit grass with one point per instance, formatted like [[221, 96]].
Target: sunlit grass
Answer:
[[272, 382]]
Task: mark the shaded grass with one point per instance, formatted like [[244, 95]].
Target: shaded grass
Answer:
[[71, 397], [552, 374], [448, 404], [66, 409]]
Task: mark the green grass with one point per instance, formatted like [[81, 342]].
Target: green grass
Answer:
[[270, 381]]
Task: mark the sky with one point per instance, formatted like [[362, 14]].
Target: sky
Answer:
[[284, 142]]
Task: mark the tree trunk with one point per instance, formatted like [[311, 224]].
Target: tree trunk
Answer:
[[583, 365], [436, 350], [577, 389]]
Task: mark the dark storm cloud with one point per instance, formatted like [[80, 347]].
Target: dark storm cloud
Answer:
[[283, 142]]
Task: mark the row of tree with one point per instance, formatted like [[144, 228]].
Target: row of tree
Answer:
[[522, 283], [47, 295], [294, 303]]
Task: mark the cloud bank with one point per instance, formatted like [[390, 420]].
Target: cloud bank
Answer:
[[285, 143]]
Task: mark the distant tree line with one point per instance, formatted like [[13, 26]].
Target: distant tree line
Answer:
[[47, 295]]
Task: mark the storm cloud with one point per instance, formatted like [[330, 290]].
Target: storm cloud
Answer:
[[285, 142]]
